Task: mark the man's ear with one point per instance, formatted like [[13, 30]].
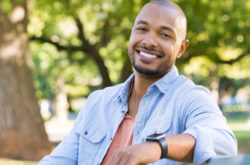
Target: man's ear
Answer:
[[183, 47]]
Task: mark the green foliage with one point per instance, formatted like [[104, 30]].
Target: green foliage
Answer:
[[218, 32], [6, 6], [51, 65]]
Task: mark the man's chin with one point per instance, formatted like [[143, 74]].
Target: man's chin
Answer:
[[146, 71]]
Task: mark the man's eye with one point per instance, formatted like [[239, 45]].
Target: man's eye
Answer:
[[141, 29], [164, 35]]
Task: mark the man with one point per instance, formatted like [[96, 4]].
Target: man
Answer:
[[156, 116]]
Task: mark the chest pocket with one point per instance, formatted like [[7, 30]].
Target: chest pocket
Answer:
[[156, 127], [90, 141]]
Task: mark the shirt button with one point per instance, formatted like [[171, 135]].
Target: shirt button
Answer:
[[111, 138], [86, 133], [123, 111]]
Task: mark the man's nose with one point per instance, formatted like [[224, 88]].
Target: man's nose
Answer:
[[150, 40]]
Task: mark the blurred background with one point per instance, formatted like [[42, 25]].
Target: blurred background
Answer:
[[54, 53]]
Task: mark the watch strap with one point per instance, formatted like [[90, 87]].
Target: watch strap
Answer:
[[163, 144]]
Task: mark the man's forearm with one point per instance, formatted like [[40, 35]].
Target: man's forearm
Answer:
[[180, 147]]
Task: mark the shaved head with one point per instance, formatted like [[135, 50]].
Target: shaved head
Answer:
[[157, 38], [171, 5]]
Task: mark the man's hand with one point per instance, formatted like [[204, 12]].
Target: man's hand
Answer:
[[143, 153]]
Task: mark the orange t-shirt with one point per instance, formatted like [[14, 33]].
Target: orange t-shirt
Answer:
[[123, 137]]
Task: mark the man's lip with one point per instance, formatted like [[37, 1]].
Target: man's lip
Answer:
[[152, 52]]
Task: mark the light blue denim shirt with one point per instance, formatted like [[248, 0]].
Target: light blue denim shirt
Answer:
[[172, 105]]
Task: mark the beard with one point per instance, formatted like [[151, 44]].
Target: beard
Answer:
[[157, 72], [145, 71]]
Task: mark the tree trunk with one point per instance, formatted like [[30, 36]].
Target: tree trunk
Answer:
[[22, 133]]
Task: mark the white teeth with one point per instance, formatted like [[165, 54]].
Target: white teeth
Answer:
[[147, 55]]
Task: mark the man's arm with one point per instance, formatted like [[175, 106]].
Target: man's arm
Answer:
[[67, 151], [206, 135], [180, 148]]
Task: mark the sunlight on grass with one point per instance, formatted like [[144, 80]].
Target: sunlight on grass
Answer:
[[241, 130], [16, 162], [239, 126]]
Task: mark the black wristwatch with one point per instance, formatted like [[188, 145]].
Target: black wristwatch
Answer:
[[163, 143]]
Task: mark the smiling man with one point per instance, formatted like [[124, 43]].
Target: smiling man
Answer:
[[157, 116]]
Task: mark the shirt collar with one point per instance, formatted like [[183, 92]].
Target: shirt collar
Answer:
[[162, 84], [123, 95], [166, 81]]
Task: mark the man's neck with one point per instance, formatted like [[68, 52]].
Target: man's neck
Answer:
[[139, 89], [142, 83]]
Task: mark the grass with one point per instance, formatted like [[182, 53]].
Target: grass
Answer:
[[241, 131], [5, 161]]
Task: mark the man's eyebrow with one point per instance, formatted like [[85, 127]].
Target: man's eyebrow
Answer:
[[142, 22], [168, 29], [162, 27]]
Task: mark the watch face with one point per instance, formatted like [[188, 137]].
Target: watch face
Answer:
[[155, 136]]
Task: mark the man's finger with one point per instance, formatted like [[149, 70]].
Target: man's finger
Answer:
[[124, 160], [115, 158]]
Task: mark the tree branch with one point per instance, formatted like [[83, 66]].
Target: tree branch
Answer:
[[56, 44], [187, 56], [220, 61], [104, 35], [86, 46], [92, 50]]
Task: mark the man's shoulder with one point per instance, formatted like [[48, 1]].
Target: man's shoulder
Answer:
[[98, 99], [107, 92], [188, 92], [188, 86]]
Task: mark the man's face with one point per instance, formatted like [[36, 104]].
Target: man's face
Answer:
[[156, 40]]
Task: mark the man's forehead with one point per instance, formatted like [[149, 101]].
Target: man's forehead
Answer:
[[151, 12], [171, 15], [157, 9]]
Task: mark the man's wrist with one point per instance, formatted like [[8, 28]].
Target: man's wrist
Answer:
[[161, 140], [155, 149]]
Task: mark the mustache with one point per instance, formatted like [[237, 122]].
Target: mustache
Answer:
[[149, 49]]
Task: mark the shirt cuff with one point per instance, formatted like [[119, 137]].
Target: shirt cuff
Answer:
[[204, 149], [55, 160]]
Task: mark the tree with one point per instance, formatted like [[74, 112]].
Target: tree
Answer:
[[97, 32], [22, 133], [219, 41]]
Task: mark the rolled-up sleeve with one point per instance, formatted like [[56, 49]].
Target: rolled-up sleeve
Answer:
[[205, 122]]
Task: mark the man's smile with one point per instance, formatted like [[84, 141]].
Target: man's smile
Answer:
[[150, 54]]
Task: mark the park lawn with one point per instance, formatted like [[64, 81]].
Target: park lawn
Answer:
[[241, 129], [5, 161], [243, 138], [242, 134]]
